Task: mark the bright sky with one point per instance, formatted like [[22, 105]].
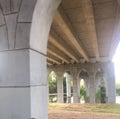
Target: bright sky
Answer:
[[116, 60]]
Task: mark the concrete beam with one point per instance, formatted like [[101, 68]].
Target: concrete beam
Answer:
[[116, 34], [53, 60], [88, 9], [118, 2], [54, 41], [66, 27], [49, 64], [56, 55]]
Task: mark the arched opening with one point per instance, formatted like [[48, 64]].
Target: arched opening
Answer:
[[101, 95], [52, 87], [68, 87], [83, 87]]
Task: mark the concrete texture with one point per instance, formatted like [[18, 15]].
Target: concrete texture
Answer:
[[3, 38], [37, 69], [68, 87], [59, 87], [39, 102], [15, 103], [26, 15], [41, 22], [24, 28], [2, 21], [11, 26], [14, 67], [22, 35], [23, 88], [23, 65]]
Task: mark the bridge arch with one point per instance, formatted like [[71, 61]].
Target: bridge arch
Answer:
[[83, 85], [24, 29]]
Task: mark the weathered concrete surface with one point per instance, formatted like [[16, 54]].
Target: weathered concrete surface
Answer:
[[59, 87], [68, 86], [24, 29], [23, 87]]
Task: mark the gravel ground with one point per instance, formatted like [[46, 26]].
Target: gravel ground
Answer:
[[63, 111]]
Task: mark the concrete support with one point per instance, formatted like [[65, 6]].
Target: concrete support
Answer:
[[75, 92], [92, 87], [23, 85], [68, 87], [24, 29], [75, 87], [48, 85], [59, 87], [78, 89], [111, 83]]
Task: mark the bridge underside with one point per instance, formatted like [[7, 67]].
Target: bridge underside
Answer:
[[83, 34], [84, 31]]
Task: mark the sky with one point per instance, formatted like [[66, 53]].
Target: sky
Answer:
[[116, 60]]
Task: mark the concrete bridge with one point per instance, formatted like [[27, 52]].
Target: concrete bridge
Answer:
[[83, 35]]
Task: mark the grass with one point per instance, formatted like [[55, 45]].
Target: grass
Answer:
[[109, 109]]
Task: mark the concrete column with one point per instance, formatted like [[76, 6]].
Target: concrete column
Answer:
[[48, 84], [59, 87], [78, 88], [75, 88], [23, 85], [68, 87], [24, 29], [111, 83], [92, 87], [75, 92]]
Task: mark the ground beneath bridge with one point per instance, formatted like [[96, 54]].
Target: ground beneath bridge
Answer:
[[83, 111]]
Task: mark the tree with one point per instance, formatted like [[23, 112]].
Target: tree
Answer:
[[52, 86], [100, 96], [52, 83], [118, 91], [97, 96], [103, 94], [64, 89], [83, 94]]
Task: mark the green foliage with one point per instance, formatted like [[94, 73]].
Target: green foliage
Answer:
[[52, 83], [64, 85], [103, 94], [97, 96], [52, 86], [100, 95], [118, 91], [64, 89], [83, 94]]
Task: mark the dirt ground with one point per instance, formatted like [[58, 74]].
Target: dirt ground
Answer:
[[77, 111]]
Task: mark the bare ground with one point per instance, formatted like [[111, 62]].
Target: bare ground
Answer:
[[80, 111]]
